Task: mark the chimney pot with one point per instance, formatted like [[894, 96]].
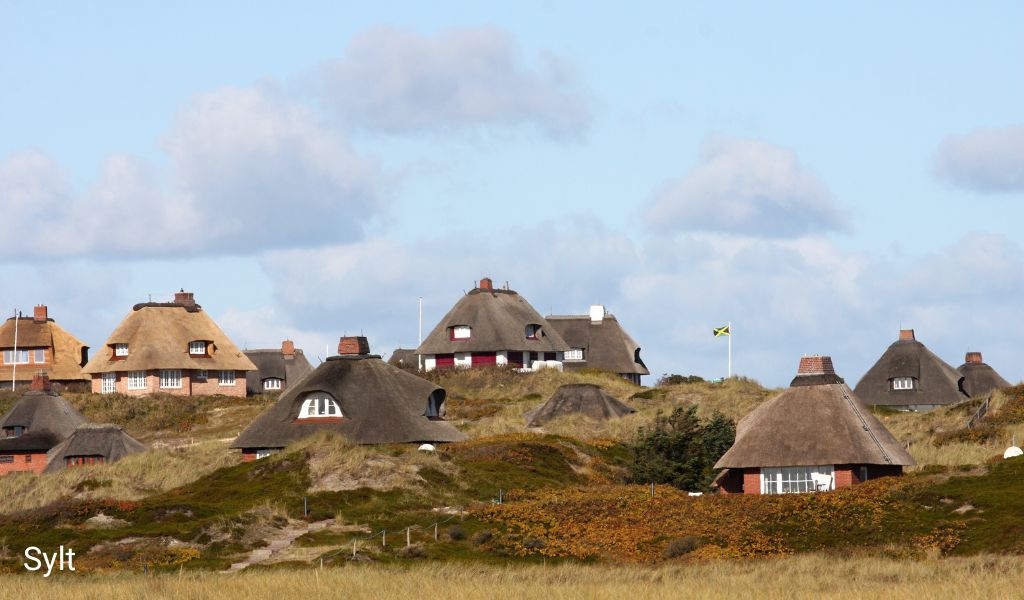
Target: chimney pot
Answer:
[[353, 345], [596, 313], [486, 284], [906, 335], [973, 357], [185, 298], [40, 314], [816, 365], [288, 348], [40, 383]]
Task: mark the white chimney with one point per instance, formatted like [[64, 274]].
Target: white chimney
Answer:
[[596, 313]]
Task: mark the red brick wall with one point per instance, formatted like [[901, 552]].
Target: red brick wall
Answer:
[[189, 385], [248, 456], [846, 475], [22, 464], [752, 481]]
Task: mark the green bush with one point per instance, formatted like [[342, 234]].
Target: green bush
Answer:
[[680, 449], [674, 379]]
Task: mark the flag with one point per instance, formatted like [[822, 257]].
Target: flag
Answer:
[[720, 331]]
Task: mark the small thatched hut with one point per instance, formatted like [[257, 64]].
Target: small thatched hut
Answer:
[[598, 341], [93, 444], [357, 395], [815, 436], [276, 369], [584, 399], [37, 422], [979, 379], [491, 326], [909, 377]]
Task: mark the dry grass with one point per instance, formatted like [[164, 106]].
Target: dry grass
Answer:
[[808, 576], [131, 478]]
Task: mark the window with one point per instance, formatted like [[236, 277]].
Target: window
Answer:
[[40, 356], [120, 349], [435, 405], [227, 378], [15, 431], [6, 459], [319, 404], [28, 458], [532, 331], [197, 348], [73, 461], [265, 452], [170, 378], [460, 332], [108, 383], [137, 380], [272, 383], [202, 375], [791, 480], [19, 357], [574, 354], [903, 383]]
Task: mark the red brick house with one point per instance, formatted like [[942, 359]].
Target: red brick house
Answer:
[[170, 347], [38, 421], [814, 436], [36, 344], [277, 368]]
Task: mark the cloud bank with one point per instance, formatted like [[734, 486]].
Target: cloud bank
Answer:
[[987, 160]]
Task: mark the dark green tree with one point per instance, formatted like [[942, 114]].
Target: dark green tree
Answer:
[[681, 450]]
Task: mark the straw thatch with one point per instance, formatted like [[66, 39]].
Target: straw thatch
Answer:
[[93, 440], [47, 418], [403, 357], [273, 364], [380, 404], [935, 382], [584, 399], [979, 378], [605, 344], [158, 335], [498, 318], [818, 420], [69, 353]]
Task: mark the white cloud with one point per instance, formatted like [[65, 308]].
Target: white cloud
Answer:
[[398, 81], [987, 160], [747, 187]]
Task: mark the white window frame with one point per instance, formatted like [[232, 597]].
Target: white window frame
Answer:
[[226, 378], [120, 349], [272, 384], [795, 480], [902, 383], [108, 383], [16, 357], [461, 332], [170, 379], [138, 380], [319, 405], [574, 354], [39, 356], [197, 348], [202, 374]]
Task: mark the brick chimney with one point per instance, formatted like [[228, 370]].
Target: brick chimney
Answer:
[[486, 284], [39, 314], [973, 357], [907, 335], [353, 345], [40, 383], [816, 365], [184, 298], [288, 349]]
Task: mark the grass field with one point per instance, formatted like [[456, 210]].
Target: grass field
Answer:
[[807, 576]]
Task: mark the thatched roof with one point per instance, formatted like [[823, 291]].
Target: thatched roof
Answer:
[[935, 382], [979, 377], [273, 363], [380, 404], [46, 417], [498, 318], [69, 352], [818, 420], [158, 335], [605, 344], [584, 399], [106, 440], [403, 357]]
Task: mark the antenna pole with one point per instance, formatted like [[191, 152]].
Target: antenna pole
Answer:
[[419, 357], [729, 324]]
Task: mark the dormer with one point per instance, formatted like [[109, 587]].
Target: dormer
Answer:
[[119, 351], [460, 332], [533, 331], [200, 348], [319, 405]]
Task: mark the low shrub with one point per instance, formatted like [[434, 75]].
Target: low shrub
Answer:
[[681, 546], [482, 537], [411, 551], [456, 533]]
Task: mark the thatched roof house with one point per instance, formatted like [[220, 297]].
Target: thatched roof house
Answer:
[[491, 326], [584, 399], [814, 436], [909, 377], [93, 444], [40, 345], [172, 347], [598, 341], [979, 379], [37, 422], [404, 358], [276, 369], [357, 395]]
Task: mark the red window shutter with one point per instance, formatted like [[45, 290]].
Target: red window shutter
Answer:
[[485, 358], [444, 360]]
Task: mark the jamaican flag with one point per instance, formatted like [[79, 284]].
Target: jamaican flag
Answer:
[[720, 331]]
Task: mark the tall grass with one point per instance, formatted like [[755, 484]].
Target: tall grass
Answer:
[[808, 576]]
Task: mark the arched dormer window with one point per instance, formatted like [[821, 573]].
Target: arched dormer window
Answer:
[[533, 331], [460, 332], [435, 405], [318, 405], [903, 383]]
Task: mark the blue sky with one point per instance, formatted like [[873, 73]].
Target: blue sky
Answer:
[[816, 174]]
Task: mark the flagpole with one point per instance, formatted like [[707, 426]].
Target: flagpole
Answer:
[[14, 358], [729, 325], [419, 357]]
